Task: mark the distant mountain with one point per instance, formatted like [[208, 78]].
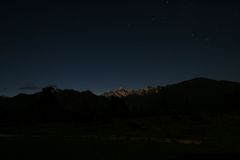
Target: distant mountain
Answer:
[[59, 105], [196, 96], [121, 92], [193, 84], [191, 96]]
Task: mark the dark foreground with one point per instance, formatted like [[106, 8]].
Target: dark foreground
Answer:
[[67, 148], [150, 138]]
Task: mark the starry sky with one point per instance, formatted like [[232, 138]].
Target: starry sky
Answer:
[[104, 45]]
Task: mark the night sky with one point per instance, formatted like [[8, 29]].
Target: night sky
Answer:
[[104, 45]]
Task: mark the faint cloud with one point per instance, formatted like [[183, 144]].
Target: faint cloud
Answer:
[[29, 88]]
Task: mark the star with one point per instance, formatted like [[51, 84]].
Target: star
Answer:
[[207, 40], [165, 2], [153, 19]]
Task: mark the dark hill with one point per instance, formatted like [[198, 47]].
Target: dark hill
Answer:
[[59, 105], [196, 95]]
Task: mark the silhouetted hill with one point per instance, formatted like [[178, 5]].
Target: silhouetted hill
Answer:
[[59, 105], [196, 96]]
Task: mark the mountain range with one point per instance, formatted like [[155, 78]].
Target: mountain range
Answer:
[[195, 96], [122, 92]]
